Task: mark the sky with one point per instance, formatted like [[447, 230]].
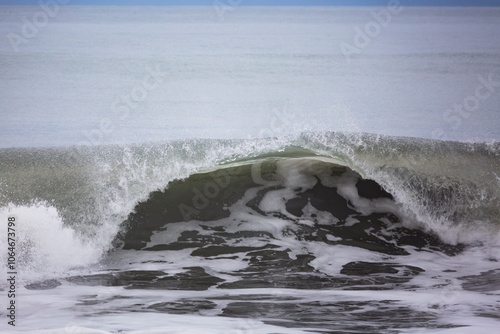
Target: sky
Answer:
[[259, 2]]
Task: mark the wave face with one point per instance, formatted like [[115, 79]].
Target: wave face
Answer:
[[243, 225], [448, 189], [313, 197]]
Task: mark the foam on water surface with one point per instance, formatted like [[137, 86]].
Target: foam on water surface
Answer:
[[276, 236]]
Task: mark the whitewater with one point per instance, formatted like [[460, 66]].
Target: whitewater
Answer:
[[170, 170]]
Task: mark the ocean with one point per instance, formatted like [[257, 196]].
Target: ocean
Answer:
[[249, 170]]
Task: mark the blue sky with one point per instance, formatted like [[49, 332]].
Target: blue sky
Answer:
[[263, 2]]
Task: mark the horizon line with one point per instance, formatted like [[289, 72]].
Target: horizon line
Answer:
[[257, 3]]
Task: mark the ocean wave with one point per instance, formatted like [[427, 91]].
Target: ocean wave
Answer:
[[448, 190]]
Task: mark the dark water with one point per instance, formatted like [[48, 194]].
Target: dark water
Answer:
[[330, 233]]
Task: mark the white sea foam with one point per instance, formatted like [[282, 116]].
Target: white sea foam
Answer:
[[44, 245]]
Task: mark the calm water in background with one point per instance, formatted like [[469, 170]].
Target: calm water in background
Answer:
[[251, 72]]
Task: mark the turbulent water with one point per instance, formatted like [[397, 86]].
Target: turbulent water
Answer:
[[316, 233]]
